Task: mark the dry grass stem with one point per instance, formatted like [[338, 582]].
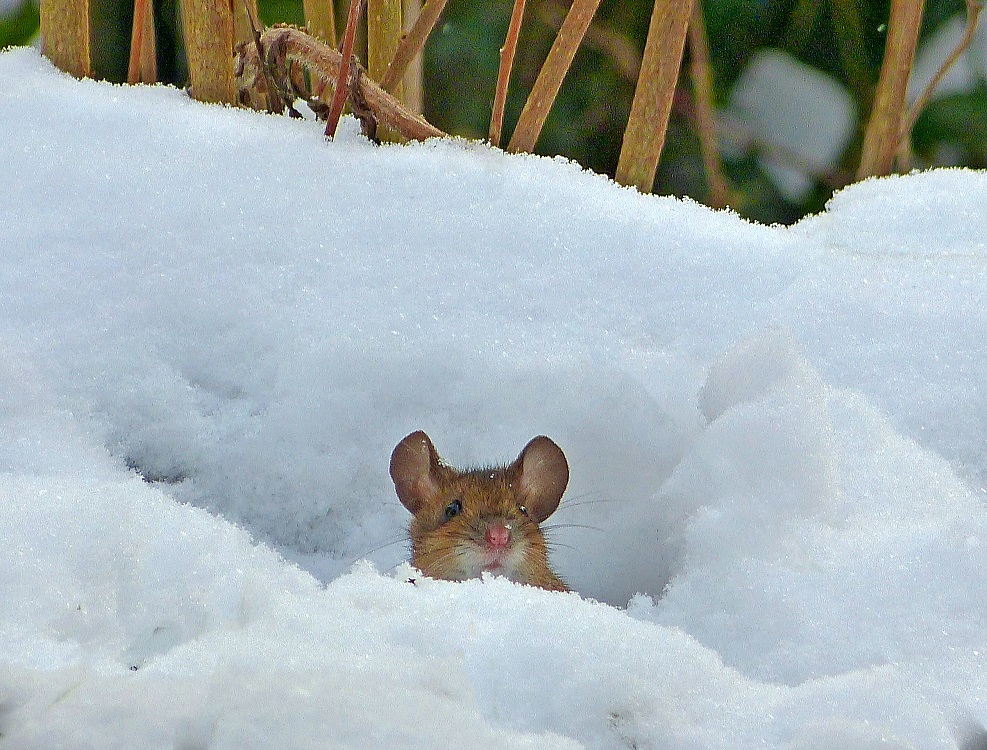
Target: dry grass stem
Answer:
[[645, 133], [973, 9], [143, 63], [702, 87], [320, 20], [413, 85], [411, 45], [618, 47], [297, 65], [66, 35], [552, 73], [504, 72], [343, 73], [885, 124], [209, 49]]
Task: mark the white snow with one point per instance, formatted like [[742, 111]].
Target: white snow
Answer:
[[775, 522]]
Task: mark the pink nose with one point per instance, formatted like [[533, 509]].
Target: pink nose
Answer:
[[498, 536]]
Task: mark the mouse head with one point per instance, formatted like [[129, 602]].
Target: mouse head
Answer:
[[538, 476], [468, 522]]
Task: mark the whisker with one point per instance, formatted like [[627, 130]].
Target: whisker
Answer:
[[584, 503], [555, 526]]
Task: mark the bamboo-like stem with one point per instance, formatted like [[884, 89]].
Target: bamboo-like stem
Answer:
[[209, 49], [645, 133], [885, 124], [343, 77], [243, 26], [973, 9], [143, 64], [411, 45], [504, 72], [412, 81], [66, 33], [384, 30], [320, 20], [551, 75], [270, 69], [615, 45], [702, 87]]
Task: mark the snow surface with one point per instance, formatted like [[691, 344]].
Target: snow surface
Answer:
[[216, 327]]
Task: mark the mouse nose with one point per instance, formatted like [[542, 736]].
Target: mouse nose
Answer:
[[498, 536]]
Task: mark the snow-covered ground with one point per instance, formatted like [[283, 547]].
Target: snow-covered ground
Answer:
[[215, 328]]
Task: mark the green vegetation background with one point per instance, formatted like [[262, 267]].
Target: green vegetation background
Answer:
[[843, 38]]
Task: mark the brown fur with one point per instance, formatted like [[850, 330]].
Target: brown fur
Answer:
[[454, 548]]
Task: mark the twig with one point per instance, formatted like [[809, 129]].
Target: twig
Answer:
[[884, 126], [342, 79], [551, 75], [284, 50], [645, 133], [702, 86], [504, 72], [973, 9], [411, 44]]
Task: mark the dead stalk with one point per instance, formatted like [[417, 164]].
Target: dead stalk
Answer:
[[287, 63], [66, 35], [702, 87], [618, 47], [320, 20], [504, 72], [885, 124], [552, 73], [209, 49], [343, 76], [142, 66], [973, 9], [412, 44], [645, 133]]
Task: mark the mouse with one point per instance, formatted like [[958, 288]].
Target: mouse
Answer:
[[465, 523]]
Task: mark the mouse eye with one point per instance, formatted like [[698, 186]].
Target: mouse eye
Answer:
[[453, 509], [523, 509]]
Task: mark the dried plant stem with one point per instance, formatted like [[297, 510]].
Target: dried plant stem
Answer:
[[65, 35], [618, 47], [243, 28], [973, 9], [143, 65], [702, 87], [283, 52], [885, 124], [412, 85], [645, 133], [552, 74], [320, 20], [209, 49], [504, 72], [411, 45], [343, 75], [384, 31]]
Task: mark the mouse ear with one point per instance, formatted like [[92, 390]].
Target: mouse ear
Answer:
[[414, 469], [544, 474]]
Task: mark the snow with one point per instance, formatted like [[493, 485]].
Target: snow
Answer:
[[217, 326]]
